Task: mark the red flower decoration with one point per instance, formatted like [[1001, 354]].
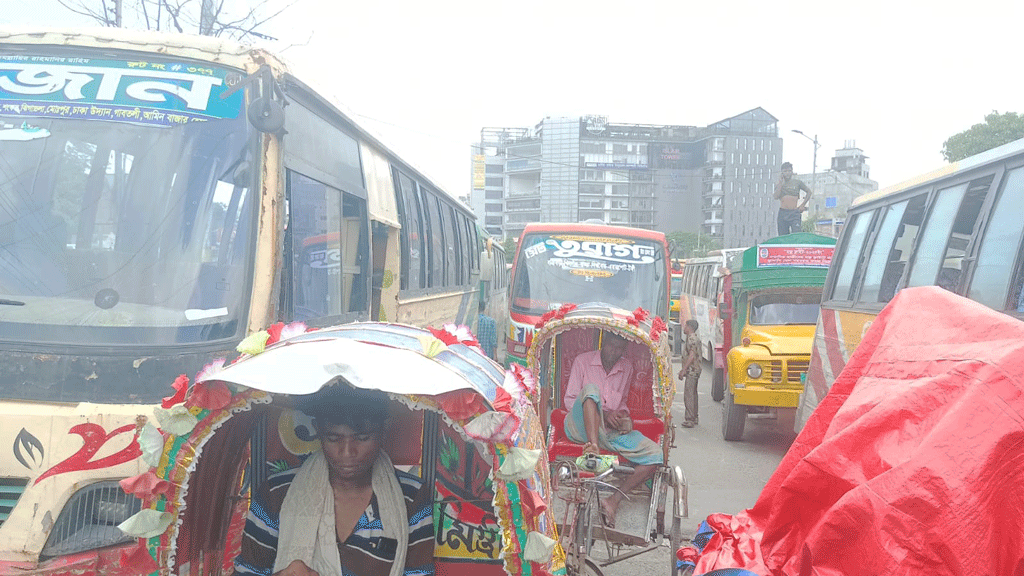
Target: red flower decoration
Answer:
[[209, 395], [444, 336], [180, 388], [145, 485], [502, 400], [564, 309], [533, 505], [525, 377], [461, 404], [547, 317], [452, 334], [641, 314], [632, 321], [657, 327], [275, 332], [138, 560]]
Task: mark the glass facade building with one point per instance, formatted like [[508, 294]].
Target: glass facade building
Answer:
[[717, 179]]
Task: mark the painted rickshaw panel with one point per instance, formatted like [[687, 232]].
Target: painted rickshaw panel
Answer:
[[480, 524]]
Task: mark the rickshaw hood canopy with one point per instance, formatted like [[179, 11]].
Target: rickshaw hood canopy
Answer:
[[388, 357]]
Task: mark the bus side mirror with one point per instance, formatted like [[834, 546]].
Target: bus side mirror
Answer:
[[722, 310], [265, 112]]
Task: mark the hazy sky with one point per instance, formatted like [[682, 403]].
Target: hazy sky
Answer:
[[897, 77]]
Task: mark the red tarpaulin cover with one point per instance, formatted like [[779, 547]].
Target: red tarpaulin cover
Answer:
[[912, 464]]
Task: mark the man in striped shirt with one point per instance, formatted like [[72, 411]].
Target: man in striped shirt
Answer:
[[351, 430]]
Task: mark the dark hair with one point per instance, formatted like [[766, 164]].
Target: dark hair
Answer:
[[692, 323], [361, 410], [787, 165]]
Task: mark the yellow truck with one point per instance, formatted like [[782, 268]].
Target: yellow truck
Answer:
[[770, 309]]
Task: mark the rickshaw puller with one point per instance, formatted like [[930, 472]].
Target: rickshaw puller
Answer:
[[346, 510], [598, 417]]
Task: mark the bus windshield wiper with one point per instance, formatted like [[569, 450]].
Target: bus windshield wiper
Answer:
[[6, 302]]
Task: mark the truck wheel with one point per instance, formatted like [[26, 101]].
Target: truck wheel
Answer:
[[718, 384], [734, 417]]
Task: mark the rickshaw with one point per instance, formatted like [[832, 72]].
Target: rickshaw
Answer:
[[649, 516], [459, 421]]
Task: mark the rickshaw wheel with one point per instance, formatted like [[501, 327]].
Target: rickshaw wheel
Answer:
[[590, 568], [675, 540]]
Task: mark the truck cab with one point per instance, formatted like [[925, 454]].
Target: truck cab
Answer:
[[770, 317]]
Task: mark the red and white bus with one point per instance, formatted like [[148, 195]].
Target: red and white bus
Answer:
[[557, 264]]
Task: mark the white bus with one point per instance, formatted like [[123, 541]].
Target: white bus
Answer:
[[701, 292], [162, 197]]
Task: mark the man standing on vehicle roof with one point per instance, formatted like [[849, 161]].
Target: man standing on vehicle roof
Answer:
[[690, 373], [787, 192], [598, 418]]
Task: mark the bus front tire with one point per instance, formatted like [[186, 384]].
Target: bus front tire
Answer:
[[718, 384], [734, 417]]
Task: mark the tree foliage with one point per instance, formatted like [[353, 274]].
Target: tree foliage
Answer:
[[692, 244], [998, 129], [204, 17], [510, 247], [809, 223]]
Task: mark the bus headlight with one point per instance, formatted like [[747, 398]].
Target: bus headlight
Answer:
[[754, 370]]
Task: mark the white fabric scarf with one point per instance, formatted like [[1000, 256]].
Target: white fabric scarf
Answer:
[[307, 530]]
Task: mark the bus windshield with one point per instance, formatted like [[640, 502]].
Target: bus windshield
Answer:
[[558, 268], [116, 233], [778, 309]]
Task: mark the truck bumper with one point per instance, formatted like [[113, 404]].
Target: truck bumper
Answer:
[[762, 396]]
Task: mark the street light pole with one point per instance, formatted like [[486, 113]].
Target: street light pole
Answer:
[[814, 161]]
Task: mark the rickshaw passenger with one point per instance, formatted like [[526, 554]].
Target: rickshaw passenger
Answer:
[[596, 398], [346, 510]]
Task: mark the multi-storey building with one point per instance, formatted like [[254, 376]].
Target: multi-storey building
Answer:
[[488, 183], [836, 189], [714, 179]]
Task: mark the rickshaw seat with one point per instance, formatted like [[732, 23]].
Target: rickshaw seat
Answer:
[[651, 427], [640, 400]]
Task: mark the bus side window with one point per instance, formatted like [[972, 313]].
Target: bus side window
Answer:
[[1000, 246], [850, 256], [413, 233], [436, 269], [451, 246], [1017, 294], [471, 247], [355, 254], [939, 255], [891, 249], [314, 211]]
